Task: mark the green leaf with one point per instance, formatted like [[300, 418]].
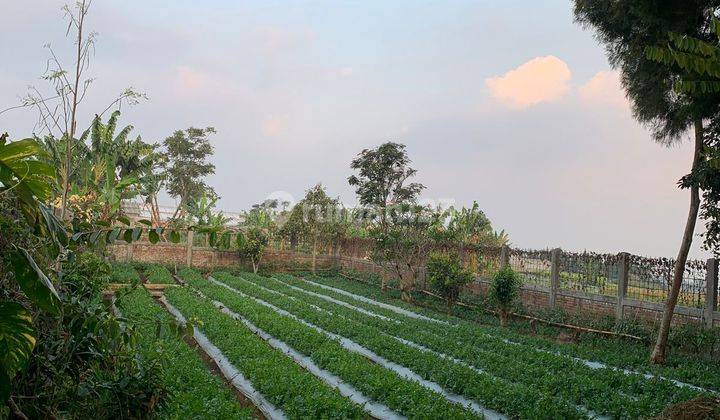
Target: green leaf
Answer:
[[128, 235], [36, 285], [124, 220], [17, 340], [136, 233], [174, 236], [145, 222], [153, 236], [113, 235]]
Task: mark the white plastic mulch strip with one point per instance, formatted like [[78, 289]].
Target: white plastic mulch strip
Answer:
[[398, 369], [335, 301], [228, 370], [589, 363], [389, 307], [376, 410], [276, 292]]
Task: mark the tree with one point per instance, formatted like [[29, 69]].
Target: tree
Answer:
[[315, 216], [627, 29], [381, 185], [252, 245], [406, 243], [504, 291], [58, 110], [381, 179], [700, 62], [447, 275], [187, 165]]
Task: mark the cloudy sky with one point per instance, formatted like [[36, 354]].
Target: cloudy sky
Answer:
[[507, 103]]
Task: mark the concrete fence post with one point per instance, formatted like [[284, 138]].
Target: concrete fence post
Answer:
[[622, 284], [190, 239], [711, 290], [554, 276], [129, 252], [504, 256]]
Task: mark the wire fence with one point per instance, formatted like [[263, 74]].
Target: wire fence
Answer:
[[589, 273], [533, 266]]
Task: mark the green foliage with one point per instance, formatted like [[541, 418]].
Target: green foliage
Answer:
[[191, 391], [252, 244], [382, 176], [86, 275], [697, 58], [504, 290], [125, 273], [311, 398], [626, 29], [187, 165], [158, 274], [17, 340], [447, 275], [471, 226], [372, 380]]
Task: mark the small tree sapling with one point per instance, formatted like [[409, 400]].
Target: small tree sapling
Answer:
[[503, 292]]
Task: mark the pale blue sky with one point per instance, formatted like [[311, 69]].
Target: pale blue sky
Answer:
[[297, 89]]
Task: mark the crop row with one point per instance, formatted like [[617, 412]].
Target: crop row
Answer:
[[504, 396], [296, 392], [158, 274], [596, 389], [372, 380], [124, 273], [193, 392], [473, 335], [620, 354]]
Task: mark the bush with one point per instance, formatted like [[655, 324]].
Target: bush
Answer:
[[504, 291], [447, 275], [86, 275]]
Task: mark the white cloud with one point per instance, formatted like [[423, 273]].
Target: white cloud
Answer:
[[604, 89], [542, 79]]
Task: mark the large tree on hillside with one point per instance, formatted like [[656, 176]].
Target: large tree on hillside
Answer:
[[187, 154], [627, 28]]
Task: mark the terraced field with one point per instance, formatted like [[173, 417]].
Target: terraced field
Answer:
[[326, 348]]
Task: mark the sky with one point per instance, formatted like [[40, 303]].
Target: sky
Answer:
[[510, 104]]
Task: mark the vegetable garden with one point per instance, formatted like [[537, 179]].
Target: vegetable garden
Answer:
[[327, 347]]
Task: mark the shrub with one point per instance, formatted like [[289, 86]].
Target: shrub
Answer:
[[503, 291], [85, 275], [447, 275]]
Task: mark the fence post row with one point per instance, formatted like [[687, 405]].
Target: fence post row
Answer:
[[554, 276], [711, 291], [622, 284], [189, 244]]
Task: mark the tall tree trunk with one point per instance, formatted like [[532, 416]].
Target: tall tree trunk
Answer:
[[659, 352]]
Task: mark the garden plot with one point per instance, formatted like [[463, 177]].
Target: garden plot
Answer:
[[194, 391], [513, 370], [623, 356]]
